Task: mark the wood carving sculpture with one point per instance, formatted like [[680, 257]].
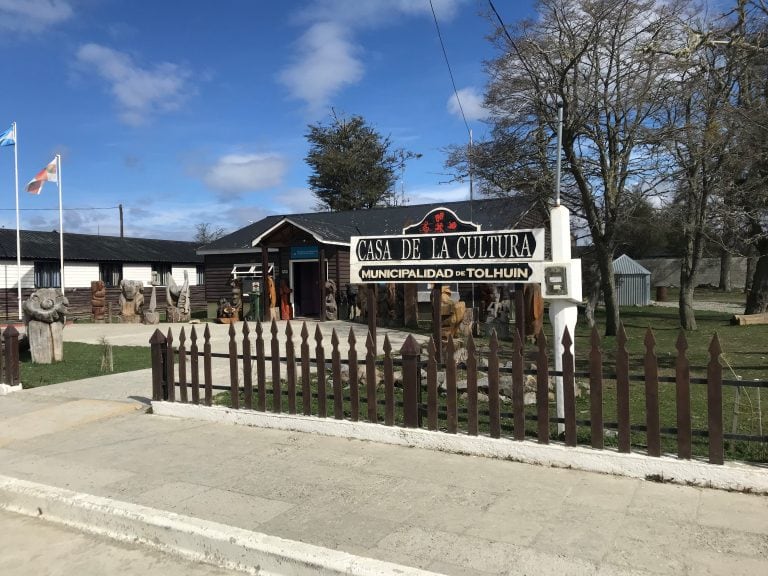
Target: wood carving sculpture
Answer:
[[44, 315], [177, 298], [131, 300], [98, 300]]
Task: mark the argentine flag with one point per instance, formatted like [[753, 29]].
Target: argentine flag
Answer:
[[8, 138]]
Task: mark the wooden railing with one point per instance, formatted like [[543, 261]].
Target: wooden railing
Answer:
[[297, 377]]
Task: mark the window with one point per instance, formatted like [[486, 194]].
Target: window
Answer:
[[160, 273], [200, 275], [110, 273], [47, 275]]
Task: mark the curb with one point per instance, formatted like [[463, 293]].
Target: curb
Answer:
[[733, 476], [192, 538]]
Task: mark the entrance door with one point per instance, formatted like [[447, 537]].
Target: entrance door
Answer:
[[306, 288]]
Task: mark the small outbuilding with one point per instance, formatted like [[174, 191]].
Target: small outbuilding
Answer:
[[633, 282]]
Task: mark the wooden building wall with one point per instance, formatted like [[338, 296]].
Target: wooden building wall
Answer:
[[80, 301], [218, 271]]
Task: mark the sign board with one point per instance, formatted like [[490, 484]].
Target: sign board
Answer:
[[441, 221], [304, 252], [494, 256]]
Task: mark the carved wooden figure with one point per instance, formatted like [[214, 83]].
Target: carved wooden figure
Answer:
[[177, 298], [98, 300], [44, 315], [131, 300]]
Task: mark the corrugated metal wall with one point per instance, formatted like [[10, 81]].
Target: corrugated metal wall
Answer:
[[633, 289]]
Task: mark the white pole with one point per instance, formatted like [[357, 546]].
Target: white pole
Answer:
[[562, 313], [61, 221], [18, 229], [559, 151]]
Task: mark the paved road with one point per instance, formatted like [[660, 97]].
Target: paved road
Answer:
[[726, 307], [139, 334], [448, 513], [452, 514], [32, 546]]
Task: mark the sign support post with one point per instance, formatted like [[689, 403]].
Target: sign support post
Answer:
[[562, 313], [437, 336]]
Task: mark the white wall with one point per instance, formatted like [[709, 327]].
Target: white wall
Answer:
[[666, 271], [142, 272], [9, 276], [75, 275], [80, 275], [178, 274]]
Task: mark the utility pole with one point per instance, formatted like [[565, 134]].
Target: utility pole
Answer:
[[120, 207]]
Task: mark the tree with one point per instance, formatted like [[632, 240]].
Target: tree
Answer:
[[643, 231], [589, 57], [750, 37], [205, 233], [695, 135], [354, 167], [715, 102]]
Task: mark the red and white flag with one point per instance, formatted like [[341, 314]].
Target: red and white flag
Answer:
[[47, 174]]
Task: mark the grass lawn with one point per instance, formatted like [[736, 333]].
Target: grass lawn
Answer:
[[744, 348], [81, 361], [744, 357]]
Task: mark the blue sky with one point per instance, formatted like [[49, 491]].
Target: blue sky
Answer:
[[196, 111]]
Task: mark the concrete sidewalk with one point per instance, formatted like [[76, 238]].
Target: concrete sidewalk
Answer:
[[445, 513], [139, 334]]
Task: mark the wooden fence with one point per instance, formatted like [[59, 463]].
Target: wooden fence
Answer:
[[292, 375], [9, 357]]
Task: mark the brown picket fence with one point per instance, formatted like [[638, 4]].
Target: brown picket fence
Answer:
[[9, 357], [412, 396]]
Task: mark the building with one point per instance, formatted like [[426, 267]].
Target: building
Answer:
[[304, 250], [87, 258], [633, 282]]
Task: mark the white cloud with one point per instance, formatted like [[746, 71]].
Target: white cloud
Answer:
[[139, 92], [454, 193], [165, 220], [471, 102], [295, 201], [151, 217], [327, 57], [235, 174], [33, 15], [327, 62]]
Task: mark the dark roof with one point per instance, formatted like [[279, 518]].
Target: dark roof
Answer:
[[88, 247], [338, 227]]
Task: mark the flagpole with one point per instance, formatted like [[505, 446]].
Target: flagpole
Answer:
[[18, 228], [61, 221]]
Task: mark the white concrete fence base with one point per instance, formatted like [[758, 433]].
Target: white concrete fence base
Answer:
[[730, 476], [6, 389]]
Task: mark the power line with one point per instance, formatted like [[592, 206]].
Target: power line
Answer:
[[448, 64], [501, 22], [466, 125]]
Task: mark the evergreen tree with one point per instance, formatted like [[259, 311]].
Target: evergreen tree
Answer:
[[354, 167]]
